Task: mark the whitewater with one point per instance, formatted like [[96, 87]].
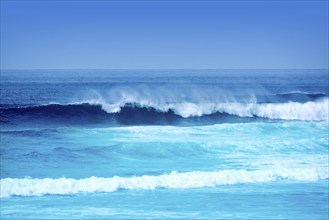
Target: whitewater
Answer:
[[317, 110], [63, 186]]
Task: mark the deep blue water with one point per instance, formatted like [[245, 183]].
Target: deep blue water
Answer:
[[164, 144]]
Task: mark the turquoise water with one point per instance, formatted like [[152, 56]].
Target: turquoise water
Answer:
[[178, 152]]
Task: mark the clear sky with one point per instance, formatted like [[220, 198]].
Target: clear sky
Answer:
[[164, 34]]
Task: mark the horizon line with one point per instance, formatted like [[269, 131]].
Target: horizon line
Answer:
[[4, 69]]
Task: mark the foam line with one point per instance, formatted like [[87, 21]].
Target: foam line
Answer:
[[174, 180]]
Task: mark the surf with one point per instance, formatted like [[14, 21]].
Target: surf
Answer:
[[174, 180]]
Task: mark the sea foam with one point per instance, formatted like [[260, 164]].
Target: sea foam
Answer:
[[174, 180]]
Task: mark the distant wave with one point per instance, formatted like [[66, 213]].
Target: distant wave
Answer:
[[174, 180], [146, 112], [299, 96]]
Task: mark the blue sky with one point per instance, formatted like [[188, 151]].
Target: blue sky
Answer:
[[164, 34]]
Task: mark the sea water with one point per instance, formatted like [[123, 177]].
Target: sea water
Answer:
[[164, 144]]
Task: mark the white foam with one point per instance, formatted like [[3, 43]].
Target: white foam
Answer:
[[174, 180], [315, 111]]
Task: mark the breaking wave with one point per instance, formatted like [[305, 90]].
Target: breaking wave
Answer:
[[146, 112], [174, 180], [289, 111]]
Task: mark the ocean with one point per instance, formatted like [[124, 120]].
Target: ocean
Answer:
[[164, 144]]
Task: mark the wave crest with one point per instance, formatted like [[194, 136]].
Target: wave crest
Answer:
[[314, 110]]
